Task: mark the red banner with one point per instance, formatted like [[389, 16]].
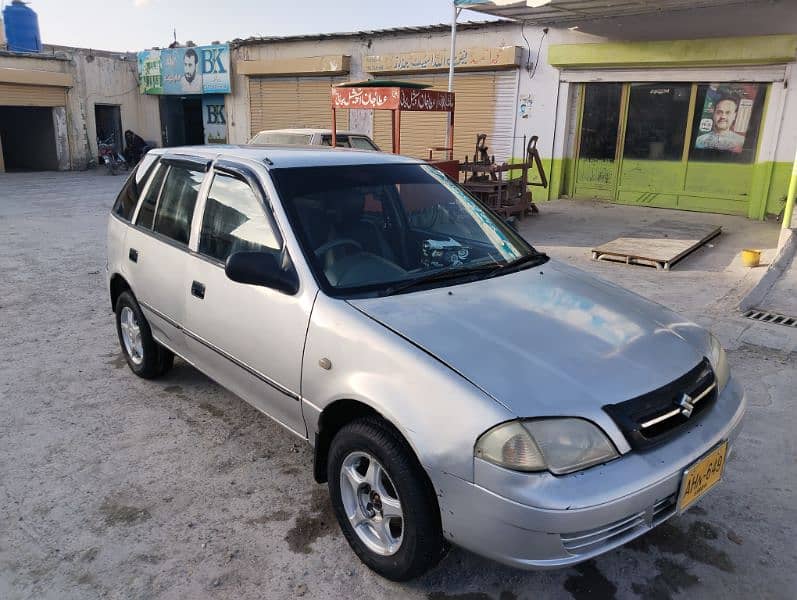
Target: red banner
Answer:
[[426, 100], [391, 98], [368, 98]]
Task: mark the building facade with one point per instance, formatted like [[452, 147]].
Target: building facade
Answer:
[[692, 109], [55, 104]]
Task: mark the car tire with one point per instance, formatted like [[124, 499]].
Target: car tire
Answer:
[[421, 544], [145, 357]]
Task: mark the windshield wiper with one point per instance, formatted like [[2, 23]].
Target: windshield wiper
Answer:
[[526, 261], [436, 276]]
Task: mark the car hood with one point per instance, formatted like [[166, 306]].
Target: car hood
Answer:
[[549, 340]]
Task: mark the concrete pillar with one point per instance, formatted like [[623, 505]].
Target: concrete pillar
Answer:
[[61, 138]]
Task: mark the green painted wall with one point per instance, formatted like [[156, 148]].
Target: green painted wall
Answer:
[[775, 192], [754, 190], [749, 50]]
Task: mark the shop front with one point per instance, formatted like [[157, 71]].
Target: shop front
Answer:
[[191, 83], [683, 124], [486, 87], [293, 92], [33, 135]]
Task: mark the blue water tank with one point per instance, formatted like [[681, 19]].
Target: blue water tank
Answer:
[[22, 28]]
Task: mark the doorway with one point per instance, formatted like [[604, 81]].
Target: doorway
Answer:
[[181, 120], [108, 119], [27, 138]]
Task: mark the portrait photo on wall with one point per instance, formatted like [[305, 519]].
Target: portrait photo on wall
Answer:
[[727, 121]]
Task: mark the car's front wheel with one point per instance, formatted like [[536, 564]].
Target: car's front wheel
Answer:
[[144, 355], [383, 500]]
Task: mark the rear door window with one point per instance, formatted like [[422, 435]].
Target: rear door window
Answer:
[[341, 141], [146, 214], [361, 143], [128, 198], [175, 208]]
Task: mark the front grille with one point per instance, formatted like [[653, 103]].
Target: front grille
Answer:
[[653, 417], [620, 531]]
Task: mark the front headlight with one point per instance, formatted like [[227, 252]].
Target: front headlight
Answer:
[[719, 362], [560, 445]]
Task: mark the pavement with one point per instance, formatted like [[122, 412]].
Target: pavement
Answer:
[[115, 487], [781, 298]]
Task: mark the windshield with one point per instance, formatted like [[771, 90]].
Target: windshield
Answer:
[[379, 229]]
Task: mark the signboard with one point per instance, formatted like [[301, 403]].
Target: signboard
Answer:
[[149, 72], [725, 118], [479, 58], [392, 98], [182, 71], [214, 119]]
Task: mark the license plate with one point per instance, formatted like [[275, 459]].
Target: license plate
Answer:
[[701, 476]]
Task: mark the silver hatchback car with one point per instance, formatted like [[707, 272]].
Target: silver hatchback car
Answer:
[[457, 385]]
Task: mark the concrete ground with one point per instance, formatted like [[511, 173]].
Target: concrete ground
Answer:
[[115, 487]]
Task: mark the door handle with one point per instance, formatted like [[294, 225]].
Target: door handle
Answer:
[[133, 255], [198, 290]]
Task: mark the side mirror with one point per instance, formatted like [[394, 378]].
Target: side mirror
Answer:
[[263, 269]]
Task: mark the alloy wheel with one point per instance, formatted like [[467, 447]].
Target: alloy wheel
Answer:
[[131, 335], [371, 503]]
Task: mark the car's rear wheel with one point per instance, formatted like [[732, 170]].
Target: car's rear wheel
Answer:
[[383, 500], [144, 355]]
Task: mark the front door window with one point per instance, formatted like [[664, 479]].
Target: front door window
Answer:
[[234, 221]]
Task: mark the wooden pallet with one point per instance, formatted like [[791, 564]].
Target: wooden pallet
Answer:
[[660, 244]]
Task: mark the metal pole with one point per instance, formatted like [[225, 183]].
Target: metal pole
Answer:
[[334, 128], [453, 48], [450, 124], [789, 208]]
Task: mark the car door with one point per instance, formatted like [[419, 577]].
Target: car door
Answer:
[[157, 247], [248, 338]]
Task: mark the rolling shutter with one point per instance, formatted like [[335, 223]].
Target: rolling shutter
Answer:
[[485, 103], [293, 102], [18, 94]]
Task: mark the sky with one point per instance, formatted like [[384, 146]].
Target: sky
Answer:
[[134, 25]]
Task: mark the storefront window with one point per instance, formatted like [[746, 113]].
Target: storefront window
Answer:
[[600, 121], [657, 116], [727, 121]]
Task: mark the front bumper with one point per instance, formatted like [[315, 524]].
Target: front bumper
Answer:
[[541, 521]]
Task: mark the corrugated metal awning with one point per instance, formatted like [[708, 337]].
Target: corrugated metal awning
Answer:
[[550, 12]]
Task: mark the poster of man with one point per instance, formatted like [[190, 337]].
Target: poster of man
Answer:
[[726, 117], [181, 69], [192, 77]]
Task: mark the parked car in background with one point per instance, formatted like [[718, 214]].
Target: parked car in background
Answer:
[[313, 137], [456, 384]]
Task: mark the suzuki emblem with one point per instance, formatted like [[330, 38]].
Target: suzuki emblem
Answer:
[[686, 405]]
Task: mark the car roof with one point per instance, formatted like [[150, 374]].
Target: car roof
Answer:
[[287, 157], [307, 131]]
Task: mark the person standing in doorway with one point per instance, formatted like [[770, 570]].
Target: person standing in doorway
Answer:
[[192, 79]]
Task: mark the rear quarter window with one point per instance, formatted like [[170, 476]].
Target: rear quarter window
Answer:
[[128, 198]]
